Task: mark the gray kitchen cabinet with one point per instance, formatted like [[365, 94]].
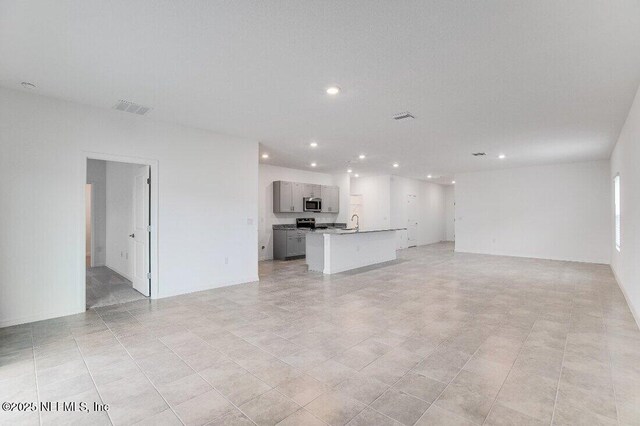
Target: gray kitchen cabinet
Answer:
[[297, 196], [282, 196], [312, 191], [293, 244], [289, 243], [287, 197], [330, 199]]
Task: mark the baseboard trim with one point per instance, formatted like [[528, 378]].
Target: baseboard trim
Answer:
[[525, 256], [50, 315], [634, 313], [245, 280], [37, 317], [118, 272]]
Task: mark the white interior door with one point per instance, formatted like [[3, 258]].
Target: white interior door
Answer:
[[412, 221], [141, 279]]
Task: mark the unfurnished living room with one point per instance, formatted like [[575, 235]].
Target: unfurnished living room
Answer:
[[319, 212]]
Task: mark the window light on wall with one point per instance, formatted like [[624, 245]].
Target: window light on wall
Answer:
[[616, 202]]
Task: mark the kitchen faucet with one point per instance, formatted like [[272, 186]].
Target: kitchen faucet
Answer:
[[357, 221]]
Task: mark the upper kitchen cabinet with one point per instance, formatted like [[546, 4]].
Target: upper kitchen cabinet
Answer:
[[288, 197], [312, 191], [282, 197], [298, 195], [330, 199]]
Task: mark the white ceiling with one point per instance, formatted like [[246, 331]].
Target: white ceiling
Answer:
[[541, 81]]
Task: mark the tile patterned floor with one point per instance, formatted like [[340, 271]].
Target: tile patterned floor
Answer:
[[435, 339], [106, 287]]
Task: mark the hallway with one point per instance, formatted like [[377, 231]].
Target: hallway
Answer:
[[106, 287]]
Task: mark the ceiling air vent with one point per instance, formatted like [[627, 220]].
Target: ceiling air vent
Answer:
[[478, 154], [131, 107], [403, 115]]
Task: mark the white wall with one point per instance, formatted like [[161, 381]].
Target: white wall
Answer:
[[553, 212], [450, 212], [376, 200], [430, 209], [97, 177], [625, 160], [267, 218], [120, 224], [208, 202], [384, 205]]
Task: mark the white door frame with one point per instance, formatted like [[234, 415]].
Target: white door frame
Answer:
[[82, 179], [92, 248]]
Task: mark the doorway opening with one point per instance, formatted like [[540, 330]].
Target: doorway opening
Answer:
[[118, 219]]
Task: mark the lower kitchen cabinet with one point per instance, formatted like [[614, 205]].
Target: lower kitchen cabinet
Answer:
[[289, 243]]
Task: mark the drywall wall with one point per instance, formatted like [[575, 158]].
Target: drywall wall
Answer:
[[430, 209], [344, 182], [97, 177], [625, 160], [208, 202], [267, 218], [553, 212], [384, 205], [120, 193], [450, 212], [376, 200]]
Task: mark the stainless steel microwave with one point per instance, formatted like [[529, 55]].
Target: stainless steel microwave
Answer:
[[312, 204]]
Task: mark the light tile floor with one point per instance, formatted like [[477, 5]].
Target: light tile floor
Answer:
[[106, 287], [436, 338]]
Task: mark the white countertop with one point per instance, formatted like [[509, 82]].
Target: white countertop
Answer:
[[353, 231]]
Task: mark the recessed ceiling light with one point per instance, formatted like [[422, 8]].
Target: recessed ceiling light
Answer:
[[357, 175], [453, 182], [361, 156], [396, 165], [333, 90], [349, 171], [313, 164], [265, 155], [313, 144], [28, 85], [502, 156], [429, 176]]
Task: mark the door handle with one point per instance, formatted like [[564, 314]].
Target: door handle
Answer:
[[132, 235]]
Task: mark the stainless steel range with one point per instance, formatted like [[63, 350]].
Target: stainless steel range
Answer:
[[306, 222]]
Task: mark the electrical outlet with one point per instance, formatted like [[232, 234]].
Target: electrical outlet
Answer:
[[126, 256], [121, 254], [226, 260]]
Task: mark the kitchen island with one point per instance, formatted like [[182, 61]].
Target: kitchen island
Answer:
[[339, 250]]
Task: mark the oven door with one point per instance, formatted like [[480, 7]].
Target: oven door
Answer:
[[312, 204]]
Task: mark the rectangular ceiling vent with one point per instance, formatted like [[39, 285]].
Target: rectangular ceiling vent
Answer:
[[478, 154], [131, 107], [403, 115]]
